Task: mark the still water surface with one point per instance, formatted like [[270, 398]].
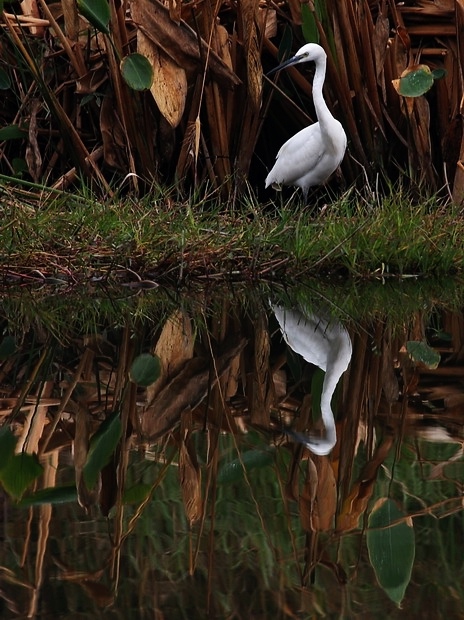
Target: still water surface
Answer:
[[232, 454]]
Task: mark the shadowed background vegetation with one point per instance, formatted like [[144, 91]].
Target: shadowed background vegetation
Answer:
[[210, 115]]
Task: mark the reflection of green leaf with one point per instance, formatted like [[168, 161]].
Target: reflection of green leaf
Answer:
[[145, 369], [19, 165], [19, 472], [233, 471], [391, 549], [423, 353], [12, 132], [137, 71], [7, 445], [51, 495], [102, 446], [97, 12], [136, 494]]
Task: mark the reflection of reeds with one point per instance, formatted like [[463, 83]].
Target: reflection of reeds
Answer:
[[243, 388]]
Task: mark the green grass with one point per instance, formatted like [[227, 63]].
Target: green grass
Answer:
[[162, 238]]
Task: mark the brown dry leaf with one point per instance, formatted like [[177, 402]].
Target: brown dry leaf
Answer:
[[380, 42], [33, 156], [169, 86], [180, 42], [253, 53], [222, 45], [419, 117], [113, 136], [279, 380], [318, 498], [295, 10], [175, 10], [261, 381], [326, 496], [30, 8], [35, 422], [71, 19], [185, 391], [232, 381], [174, 348], [50, 464], [307, 497], [189, 473], [217, 124], [267, 21]]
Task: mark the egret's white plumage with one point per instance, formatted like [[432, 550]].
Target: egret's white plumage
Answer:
[[326, 344], [315, 152]]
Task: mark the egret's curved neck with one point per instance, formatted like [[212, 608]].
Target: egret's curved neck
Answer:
[[323, 113], [328, 388], [331, 379]]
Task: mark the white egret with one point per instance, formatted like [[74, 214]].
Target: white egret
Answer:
[[327, 345], [315, 152]]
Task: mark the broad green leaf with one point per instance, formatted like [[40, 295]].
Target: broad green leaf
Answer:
[[145, 369], [7, 347], [136, 494], [438, 74], [423, 353], [415, 81], [12, 132], [20, 471], [391, 548], [309, 26], [233, 471], [51, 495], [97, 12], [7, 446], [19, 165], [137, 71], [102, 446]]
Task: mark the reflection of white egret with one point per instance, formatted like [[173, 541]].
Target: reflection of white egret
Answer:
[[310, 156], [327, 345]]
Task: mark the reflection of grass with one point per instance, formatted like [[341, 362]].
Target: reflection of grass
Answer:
[[88, 308]]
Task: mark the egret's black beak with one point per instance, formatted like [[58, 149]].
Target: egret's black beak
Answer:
[[287, 63]]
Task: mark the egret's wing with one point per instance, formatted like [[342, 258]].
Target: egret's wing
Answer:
[[305, 334], [323, 343], [297, 156]]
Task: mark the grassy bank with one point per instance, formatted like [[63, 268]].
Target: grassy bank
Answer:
[[162, 239]]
